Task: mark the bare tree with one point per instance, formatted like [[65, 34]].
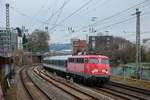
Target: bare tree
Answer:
[[38, 41]]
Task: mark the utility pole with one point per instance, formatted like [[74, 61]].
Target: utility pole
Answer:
[[7, 17], [8, 30], [138, 46]]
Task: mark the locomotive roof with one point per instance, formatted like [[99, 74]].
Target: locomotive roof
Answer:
[[76, 56], [88, 56], [57, 57]]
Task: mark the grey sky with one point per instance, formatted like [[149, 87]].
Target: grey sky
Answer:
[[32, 14]]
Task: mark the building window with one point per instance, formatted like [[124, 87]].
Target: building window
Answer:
[[93, 38], [108, 42], [108, 39], [93, 44]]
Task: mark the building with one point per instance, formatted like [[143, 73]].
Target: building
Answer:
[[99, 44], [106, 44], [8, 42], [79, 46]]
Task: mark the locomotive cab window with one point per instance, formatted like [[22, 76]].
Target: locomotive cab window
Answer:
[[93, 61], [105, 61], [86, 60]]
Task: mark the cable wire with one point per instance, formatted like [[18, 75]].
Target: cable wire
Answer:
[[116, 14], [66, 18]]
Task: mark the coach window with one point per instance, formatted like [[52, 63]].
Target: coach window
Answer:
[[65, 63], [70, 59], [54, 62], [59, 62], [62, 63]]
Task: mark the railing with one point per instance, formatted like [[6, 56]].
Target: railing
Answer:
[[128, 71]]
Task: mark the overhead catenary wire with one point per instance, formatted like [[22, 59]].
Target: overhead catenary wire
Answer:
[[27, 16], [99, 4], [60, 11], [109, 17], [66, 18], [53, 13], [38, 11], [83, 9], [112, 16], [120, 22], [57, 11], [128, 19]]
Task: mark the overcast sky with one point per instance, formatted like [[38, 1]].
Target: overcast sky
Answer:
[[64, 16]]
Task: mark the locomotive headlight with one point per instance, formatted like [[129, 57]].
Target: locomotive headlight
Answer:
[[94, 70], [106, 72]]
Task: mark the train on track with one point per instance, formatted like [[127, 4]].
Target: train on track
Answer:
[[86, 68]]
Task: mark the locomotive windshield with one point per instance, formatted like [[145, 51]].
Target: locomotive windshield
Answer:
[[93, 61], [105, 61]]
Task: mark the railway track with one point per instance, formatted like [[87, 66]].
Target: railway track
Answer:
[[33, 91], [24, 86], [136, 89], [127, 92], [76, 93], [120, 91]]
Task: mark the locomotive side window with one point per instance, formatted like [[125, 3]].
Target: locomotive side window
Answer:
[[76, 60], [86, 60], [80, 60], [69, 60]]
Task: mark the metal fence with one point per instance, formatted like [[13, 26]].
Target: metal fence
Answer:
[[128, 71]]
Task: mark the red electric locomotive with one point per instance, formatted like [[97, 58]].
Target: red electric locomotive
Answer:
[[87, 68], [90, 67]]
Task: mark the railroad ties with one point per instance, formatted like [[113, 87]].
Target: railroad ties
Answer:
[[40, 84]]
